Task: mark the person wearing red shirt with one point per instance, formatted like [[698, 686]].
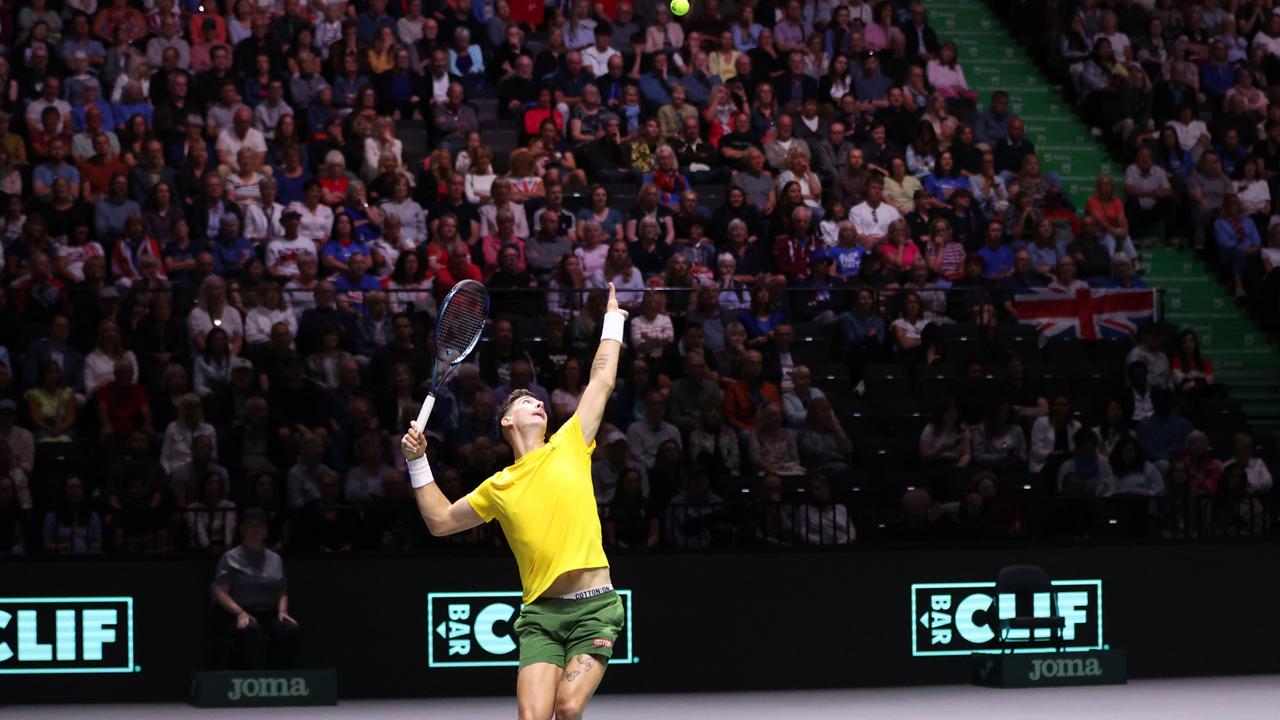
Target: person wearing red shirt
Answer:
[[791, 251], [744, 398], [459, 268], [122, 405]]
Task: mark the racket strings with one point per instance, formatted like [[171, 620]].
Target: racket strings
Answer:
[[461, 320]]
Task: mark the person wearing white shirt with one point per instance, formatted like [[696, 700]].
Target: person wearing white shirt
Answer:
[[652, 332], [596, 57], [170, 37], [315, 218], [262, 218], [1067, 282], [873, 216], [413, 219], [270, 310], [241, 134], [212, 518], [646, 436], [283, 252], [383, 142], [175, 450], [1258, 478], [823, 522]]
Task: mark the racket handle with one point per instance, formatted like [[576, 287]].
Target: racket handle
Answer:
[[425, 412]]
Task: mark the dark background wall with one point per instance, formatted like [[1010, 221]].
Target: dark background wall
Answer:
[[701, 621]]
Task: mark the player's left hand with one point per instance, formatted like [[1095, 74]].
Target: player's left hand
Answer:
[[613, 302], [285, 617]]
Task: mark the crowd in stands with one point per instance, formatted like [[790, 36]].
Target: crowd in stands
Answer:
[[1187, 91], [225, 242]]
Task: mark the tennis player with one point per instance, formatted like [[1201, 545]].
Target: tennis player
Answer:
[[546, 506]]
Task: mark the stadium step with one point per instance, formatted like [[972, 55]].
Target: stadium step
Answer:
[[1245, 360], [1244, 357], [992, 61]]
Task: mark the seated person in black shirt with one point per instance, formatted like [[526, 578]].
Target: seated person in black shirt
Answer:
[[509, 276], [649, 253], [518, 90], [698, 160], [608, 159], [734, 146]]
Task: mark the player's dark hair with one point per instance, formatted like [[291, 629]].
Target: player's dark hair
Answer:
[[512, 399]]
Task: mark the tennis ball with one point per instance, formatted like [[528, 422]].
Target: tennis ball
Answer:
[[679, 7]]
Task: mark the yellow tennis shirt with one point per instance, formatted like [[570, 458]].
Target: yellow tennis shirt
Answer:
[[546, 506]]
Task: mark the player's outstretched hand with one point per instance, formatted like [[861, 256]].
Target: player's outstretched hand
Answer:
[[613, 302], [414, 443]]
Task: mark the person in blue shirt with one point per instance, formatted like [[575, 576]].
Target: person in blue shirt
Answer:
[[369, 23], [997, 255], [352, 285], [57, 167], [862, 334], [1121, 276], [1218, 75], [342, 244], [231, 251], [945, 178], [1163, 435], [1237, 237], [846, 256], [762, 317]]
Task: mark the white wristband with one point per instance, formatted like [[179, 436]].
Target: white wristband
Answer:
[[612, 330], [420, 472]]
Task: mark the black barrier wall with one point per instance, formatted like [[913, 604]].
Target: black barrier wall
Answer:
[[700, 621]]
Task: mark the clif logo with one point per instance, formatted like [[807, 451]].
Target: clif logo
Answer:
[[469, 629], [51, 636], [963, 618]]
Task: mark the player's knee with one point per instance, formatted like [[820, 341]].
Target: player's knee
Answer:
[[569, 708], [529, 711]]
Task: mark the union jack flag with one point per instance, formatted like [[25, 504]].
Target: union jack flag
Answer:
[[1085, 313]]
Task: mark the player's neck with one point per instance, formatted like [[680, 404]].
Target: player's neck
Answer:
[[523, 443]]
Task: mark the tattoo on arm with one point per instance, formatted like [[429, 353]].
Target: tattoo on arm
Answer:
[[603, 356]]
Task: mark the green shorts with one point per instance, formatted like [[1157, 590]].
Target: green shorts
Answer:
[[553, 630]]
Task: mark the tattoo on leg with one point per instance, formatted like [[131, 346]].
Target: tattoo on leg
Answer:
[[585, 663]]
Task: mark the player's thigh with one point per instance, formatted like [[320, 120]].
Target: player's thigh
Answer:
[[582, 675], [536, 688]]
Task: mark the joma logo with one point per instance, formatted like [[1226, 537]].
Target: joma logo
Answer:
[[1064, 668], [267, 688]]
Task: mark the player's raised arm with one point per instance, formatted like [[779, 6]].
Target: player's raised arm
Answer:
[[442, 517], [604, 369]]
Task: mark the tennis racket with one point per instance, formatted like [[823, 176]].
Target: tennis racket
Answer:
[[460, 324]]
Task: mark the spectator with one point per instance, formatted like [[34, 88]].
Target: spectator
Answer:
[[685, 522], [631, 521], [1258, 479], [1053, 438], [741, 407], [822, 521], [178, 436], [1237, 239], [211, 520], [646, 436], [999, 444], [1132, 473], [52, 406], [824, 447], [1163, 435], [1203, 470], [250, 587], [74, 528], [17, 439], [1087, 473]]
